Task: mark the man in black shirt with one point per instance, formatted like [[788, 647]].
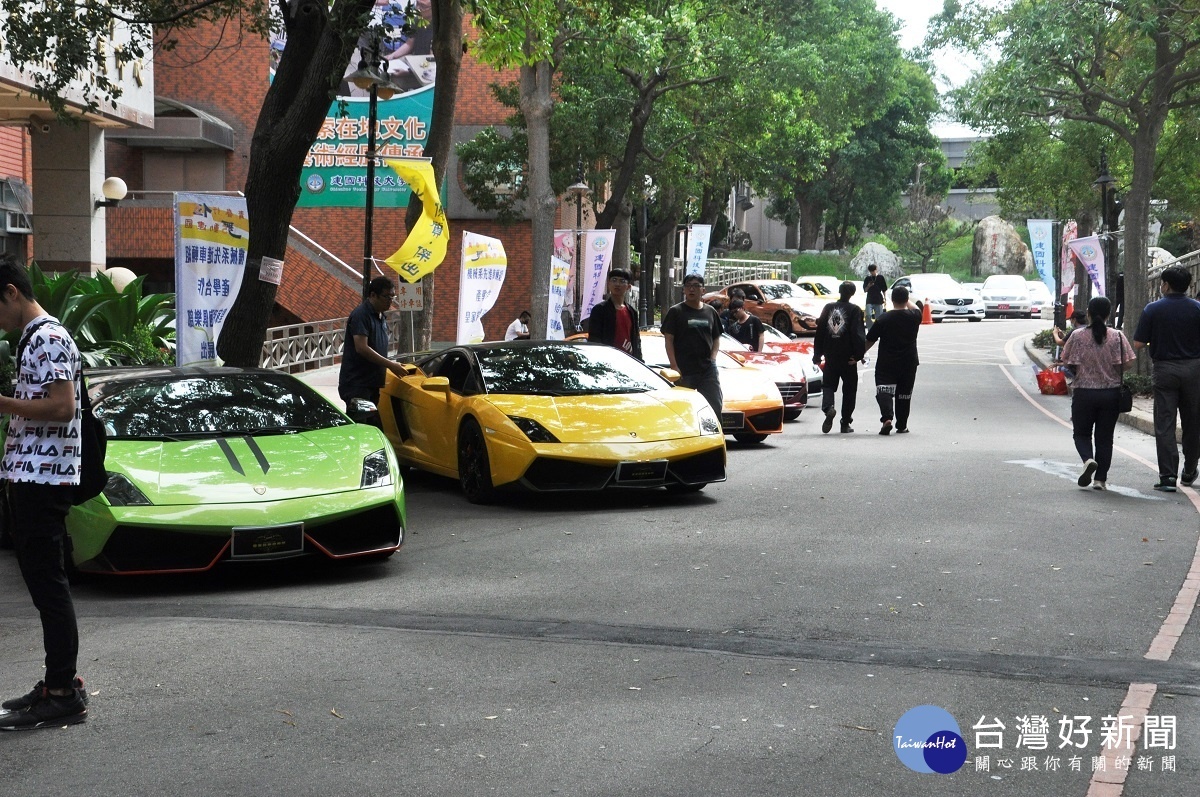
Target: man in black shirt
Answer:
[[896, 364], [364, 353], [874, 286], [841, 340], [1170, 327], [692, 333]]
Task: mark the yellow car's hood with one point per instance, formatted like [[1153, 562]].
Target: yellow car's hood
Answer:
[[645, 417]]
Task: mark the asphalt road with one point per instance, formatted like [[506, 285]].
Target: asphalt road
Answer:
[[761, 638]]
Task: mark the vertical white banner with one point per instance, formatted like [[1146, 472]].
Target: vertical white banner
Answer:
[[697, 254], [1091, 253], [597, 259], [212, 234], [484, 265], [560, 273], [1041, 241]]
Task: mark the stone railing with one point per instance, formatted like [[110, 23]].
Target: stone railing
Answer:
[[316, 344]]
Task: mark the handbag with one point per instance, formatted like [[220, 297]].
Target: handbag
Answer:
[[1126, 403], [1052, 382]]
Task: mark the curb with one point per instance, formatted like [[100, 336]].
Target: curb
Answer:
[[1138, 419]]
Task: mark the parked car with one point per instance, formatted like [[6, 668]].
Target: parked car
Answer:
[[209, 465], [753, 406], [947, 297], [1006, 295], [1041, 299], [802, 348], [829, 289], [550, 416], [786, 370], [785, 306]]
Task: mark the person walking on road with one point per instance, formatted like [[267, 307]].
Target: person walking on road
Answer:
[[1099, 355], [874, 286], [614, 322], [364, 353], [841, 339], [896, 364], [692, 333], [1171, 328], [42, 468]]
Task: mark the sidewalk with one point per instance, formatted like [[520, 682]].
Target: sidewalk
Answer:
[[1140, 418]]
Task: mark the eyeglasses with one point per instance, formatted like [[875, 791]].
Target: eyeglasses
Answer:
[[696, 285], [391, 297], [618, 280]]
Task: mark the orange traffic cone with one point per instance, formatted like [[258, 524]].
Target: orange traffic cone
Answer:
[[926, 314]]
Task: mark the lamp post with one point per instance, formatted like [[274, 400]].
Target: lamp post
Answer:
[[1107, 185], [371, 77], [579, 189]]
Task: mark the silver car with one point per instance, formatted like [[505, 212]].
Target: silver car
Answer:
[[1006, 295], [947, 298]]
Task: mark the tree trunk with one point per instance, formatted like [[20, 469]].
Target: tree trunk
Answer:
[[536, 104], [811, 213], [320, 42], [621, 246], [1137, 217]]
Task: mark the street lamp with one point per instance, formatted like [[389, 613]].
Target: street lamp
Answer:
[[372, 78], [1108, 201], [579, 189]]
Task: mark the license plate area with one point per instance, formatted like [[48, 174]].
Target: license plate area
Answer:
[[1002, 306], [733, 421], [265, 542], [651, 472]]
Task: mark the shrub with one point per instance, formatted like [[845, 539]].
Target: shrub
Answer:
[[1140, 384], [1044, 339]]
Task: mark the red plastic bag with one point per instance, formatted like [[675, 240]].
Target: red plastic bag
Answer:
[[1052, 382]]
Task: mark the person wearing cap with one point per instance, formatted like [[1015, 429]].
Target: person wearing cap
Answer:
[[692, 333], [614, 322]]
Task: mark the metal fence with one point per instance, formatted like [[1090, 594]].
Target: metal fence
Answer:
[[1190, 261], [316, 344], [725, 271]]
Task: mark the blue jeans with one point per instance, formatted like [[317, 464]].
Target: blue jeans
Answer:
[[873, 312]]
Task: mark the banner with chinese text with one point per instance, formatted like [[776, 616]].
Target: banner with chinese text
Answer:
[[560, 273], [596, 260], [1067, 259], [1041, 242], [484, 265], [697, 253], [212, 234], [425, 247], [1091, 253]]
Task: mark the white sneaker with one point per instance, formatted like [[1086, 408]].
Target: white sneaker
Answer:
[[1089, 468], [1099, 485]]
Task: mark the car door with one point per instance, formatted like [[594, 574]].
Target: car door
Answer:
[[756, 303], [433, 414]]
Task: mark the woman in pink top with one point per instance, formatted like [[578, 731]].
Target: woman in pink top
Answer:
[[1100, 355]]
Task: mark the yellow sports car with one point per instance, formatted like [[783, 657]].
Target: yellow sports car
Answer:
[[548, 416]]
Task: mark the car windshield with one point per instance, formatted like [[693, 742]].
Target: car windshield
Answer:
[[563, 369], [932, 282], [781, 290], [773, 335], [815, 288], [1005, 282], [173, 406]]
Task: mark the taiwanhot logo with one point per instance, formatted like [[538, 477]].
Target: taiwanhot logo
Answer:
[[927, 739]]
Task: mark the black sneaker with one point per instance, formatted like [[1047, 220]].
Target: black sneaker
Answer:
[[1187, 478], [846, 428], [46, 711], [901, 430], [886, 429], [828, 423], [25, 701], [1166, 484]]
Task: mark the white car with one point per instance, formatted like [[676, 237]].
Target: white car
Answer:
[[947, 297], [1006, 295], [825, 287], [1041, 298]]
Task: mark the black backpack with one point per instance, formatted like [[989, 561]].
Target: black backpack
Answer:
[[93, 442]]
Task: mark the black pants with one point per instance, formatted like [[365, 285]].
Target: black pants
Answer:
[[848, 376], [39, 532], [708, 383], [1176, 392], [895, 384], [1094, 413]]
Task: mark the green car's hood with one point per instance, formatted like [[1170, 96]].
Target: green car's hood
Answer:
[[233, 470]]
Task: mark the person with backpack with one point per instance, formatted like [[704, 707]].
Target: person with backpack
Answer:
[[841, 339], [42, 462]]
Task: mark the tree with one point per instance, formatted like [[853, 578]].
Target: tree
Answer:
[[321, 39], [923, 228], [1123, 65]]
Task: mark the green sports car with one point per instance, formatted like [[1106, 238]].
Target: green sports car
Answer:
[[208, 465]]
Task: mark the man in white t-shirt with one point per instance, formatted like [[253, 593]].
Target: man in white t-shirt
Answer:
[[519, 329], [41, 462]]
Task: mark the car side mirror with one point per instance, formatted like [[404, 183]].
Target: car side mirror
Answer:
[[436, 384], [669, 374]]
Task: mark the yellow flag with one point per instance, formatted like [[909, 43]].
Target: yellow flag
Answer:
[[425, 247]]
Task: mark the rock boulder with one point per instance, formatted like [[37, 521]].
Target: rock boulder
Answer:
[[879, 256], [998, 249]]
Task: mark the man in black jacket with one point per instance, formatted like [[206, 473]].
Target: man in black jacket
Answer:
[[614, 321], [841, 339]]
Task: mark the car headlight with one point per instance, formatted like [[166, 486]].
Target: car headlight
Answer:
[[709, 422], [375, 471], [533, 430], [121, 492]]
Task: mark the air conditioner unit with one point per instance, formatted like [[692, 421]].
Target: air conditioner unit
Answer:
[[17, 222]]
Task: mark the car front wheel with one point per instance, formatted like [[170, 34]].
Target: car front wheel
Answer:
[[782, 322], [474, 469]]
